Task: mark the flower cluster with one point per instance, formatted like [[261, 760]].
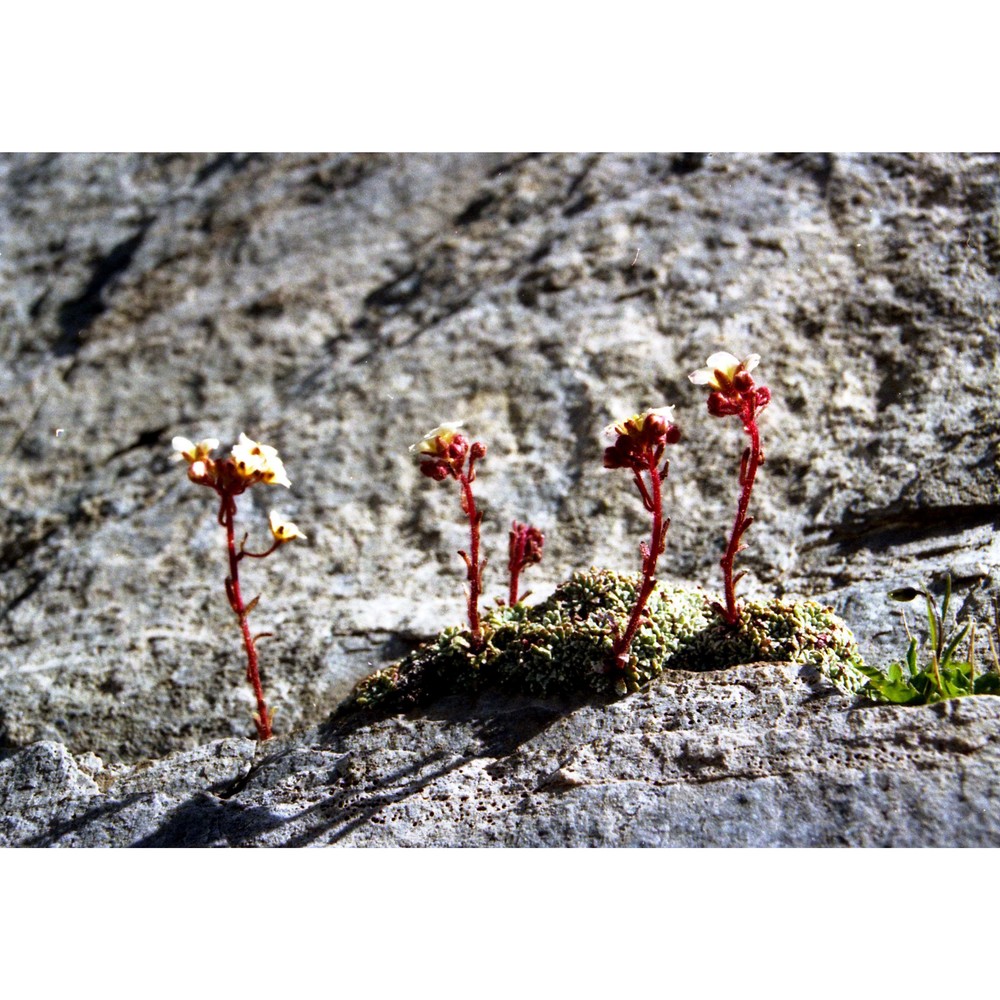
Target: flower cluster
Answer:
[[443, 451], [732, 385], [248, 464], [447, 453], [641, 439], [734, 393], [639, 445]]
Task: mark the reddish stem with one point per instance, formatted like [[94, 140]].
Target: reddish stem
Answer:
[[474, 571], [653, 502], [227, 513], [515, 564], [748, 470]]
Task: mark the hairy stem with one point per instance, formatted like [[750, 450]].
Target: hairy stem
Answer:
[[653, 501], [262, 718], [748, 470], [474, 571]]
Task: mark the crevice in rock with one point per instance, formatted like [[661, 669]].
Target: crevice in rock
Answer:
[[221, 161], [473, 212], [34, 583], [77, 315], [817, 166], [145, 439], [686, 163], [888, 527]]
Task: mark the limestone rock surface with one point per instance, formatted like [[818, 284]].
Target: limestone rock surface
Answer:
[[339, 306], [755, 756]]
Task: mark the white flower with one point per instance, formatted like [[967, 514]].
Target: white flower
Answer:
[[721, 368], [249, 456], [636, 422], [273, 472], [283, 531], [191, 452], [255, 459], [431, 443]]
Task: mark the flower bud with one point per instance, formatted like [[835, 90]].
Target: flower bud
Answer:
[[621, 455], [456, 449], [436, 470], [720, 405], [198, 472], [654, 426]]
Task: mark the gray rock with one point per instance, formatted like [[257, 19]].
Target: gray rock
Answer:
[[340, 306], [755, 756]]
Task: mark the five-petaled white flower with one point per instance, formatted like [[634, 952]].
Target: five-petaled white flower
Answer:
[[725, 365], [283, 531], [191, 452], [433, 441], [253, 458]]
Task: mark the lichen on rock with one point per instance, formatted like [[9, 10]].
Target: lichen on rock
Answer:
[[563, 645]]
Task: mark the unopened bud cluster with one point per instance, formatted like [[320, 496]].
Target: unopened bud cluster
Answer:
[[524, 548]]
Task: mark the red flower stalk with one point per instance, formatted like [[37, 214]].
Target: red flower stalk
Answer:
[[444, 453], [525, 549], [249, 464], [639, 446], [735, 394]]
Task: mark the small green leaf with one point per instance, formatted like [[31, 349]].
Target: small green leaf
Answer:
[[952, 645], [932, 625], [899, 693], [951, 688], [947, 600]]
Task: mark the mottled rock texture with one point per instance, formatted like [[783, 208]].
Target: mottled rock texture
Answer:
[[340, 306], [750, 757]]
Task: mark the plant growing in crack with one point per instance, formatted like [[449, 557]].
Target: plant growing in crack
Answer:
[[733, 393], [446, 453], [605, 632], [249, 464], [945, 675], [640, 442]]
